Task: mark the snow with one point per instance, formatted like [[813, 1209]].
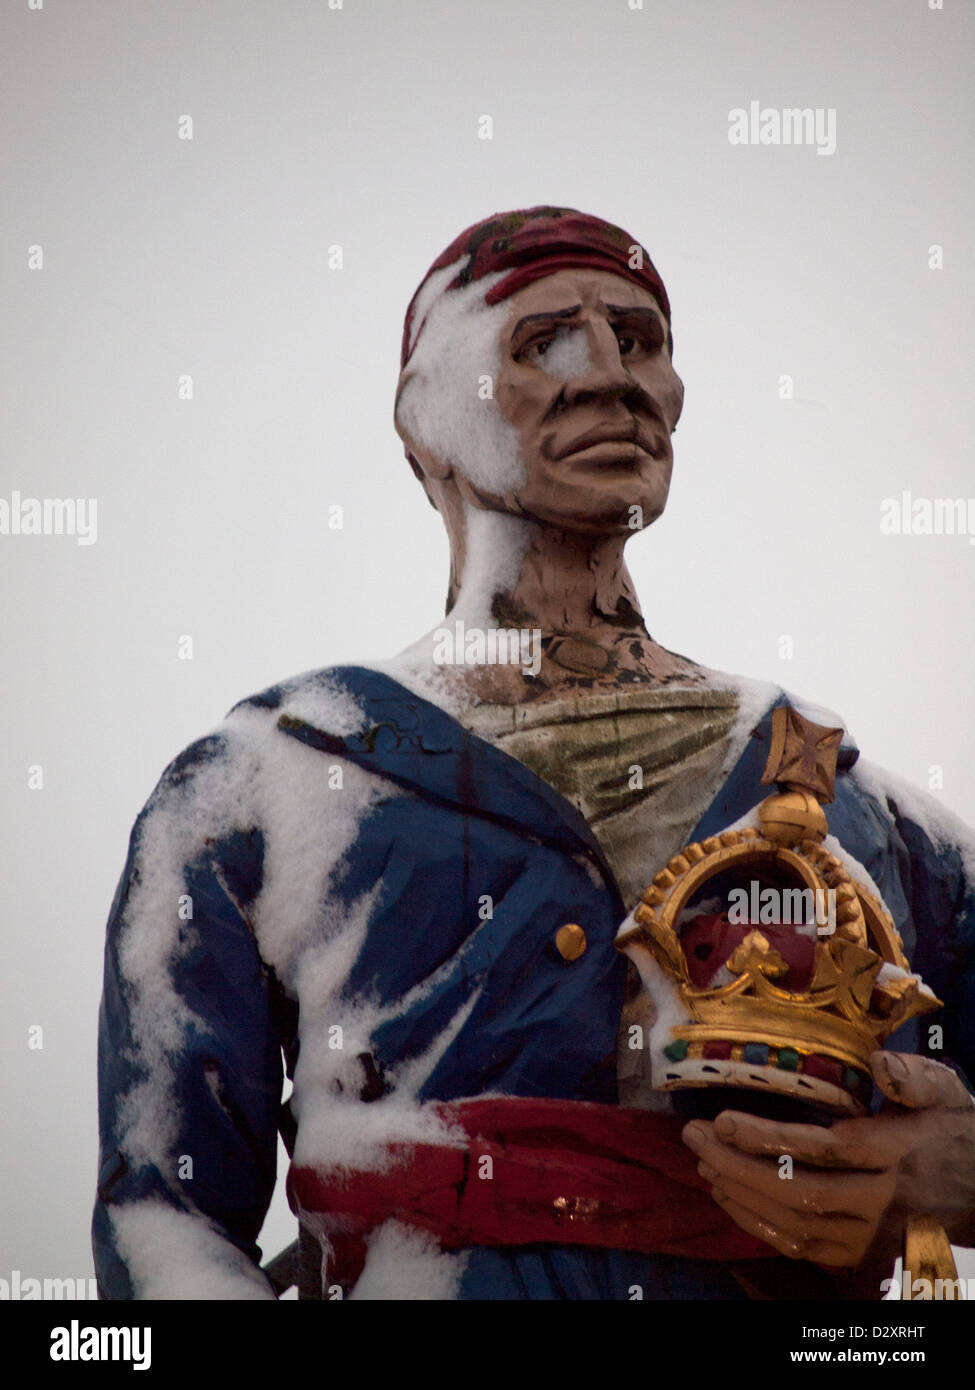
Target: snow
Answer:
[[895, 972], [179, 820], [335, 1129], [312, 940], [567, 355], [669, 1010], [269, 779], [308, 828], [754, 698], [852, 866], [943, 827], [236, 790], [405, 1263], [174, 1254], [496, 545], [317, 700], [440, 405]]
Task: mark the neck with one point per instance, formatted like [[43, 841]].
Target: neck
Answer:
[[516, 572], [569, 596]]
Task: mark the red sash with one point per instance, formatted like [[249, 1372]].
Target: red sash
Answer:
[[560, 1173]]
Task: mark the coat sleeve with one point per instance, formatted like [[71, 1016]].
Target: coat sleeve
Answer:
[[923, 860], [941, 888], [189, 1065]]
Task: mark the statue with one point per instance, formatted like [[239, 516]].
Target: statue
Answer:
[[416, 881]]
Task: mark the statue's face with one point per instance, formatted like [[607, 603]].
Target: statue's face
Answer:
[[586, 380]]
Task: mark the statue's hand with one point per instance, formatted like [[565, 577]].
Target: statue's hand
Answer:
[[851, 1186]]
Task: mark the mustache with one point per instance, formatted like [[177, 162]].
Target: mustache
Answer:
[[647, 427], [632, 397]]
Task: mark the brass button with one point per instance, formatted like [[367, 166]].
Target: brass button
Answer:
[[570, 941]]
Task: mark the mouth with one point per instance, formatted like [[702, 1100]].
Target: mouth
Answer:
[[618, 441]]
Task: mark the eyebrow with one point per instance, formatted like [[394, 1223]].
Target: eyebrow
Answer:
[[634, 311], [617, 310], [551, 314]]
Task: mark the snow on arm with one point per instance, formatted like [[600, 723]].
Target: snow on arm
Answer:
[[190, 1069], [182, 1091]]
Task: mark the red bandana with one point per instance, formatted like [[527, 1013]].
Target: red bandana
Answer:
[[536, 242]]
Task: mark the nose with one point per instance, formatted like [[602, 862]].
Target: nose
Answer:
[[607, 376]]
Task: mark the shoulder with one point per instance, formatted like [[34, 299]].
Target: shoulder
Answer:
[[757, 699], [921, 819], [332, 698], [217, 778]]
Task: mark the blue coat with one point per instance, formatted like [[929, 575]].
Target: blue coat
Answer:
[[198, 1009]]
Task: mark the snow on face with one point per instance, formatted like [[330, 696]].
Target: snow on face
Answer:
[[567, 355], [440, 406]]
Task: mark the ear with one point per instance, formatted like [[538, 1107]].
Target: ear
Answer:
[[424, 481], [680, 402], [422, 461]]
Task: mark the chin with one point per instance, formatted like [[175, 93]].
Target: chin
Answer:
[[602, 512]]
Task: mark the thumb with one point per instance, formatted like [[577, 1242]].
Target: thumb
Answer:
[[918, 1082]]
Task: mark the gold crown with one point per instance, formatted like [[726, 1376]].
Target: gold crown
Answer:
[[752, 1031]]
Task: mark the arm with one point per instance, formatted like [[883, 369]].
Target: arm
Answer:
[[190, 1070], [845, 1200], [853, 1186]]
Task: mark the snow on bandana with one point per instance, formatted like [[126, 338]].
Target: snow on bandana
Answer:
[[453, 325], [532, 243]]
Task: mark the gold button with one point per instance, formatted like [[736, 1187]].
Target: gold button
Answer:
[[570, 941]]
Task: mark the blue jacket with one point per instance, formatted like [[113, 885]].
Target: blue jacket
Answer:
[[309, 882]]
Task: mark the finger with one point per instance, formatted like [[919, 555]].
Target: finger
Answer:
[[848, 1144], [823, 1252], [803, 1225], [920, 1083], [839, 1195]]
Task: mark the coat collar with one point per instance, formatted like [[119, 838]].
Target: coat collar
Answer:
[[415, 744]]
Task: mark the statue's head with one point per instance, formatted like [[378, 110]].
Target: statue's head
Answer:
[[537, 377]]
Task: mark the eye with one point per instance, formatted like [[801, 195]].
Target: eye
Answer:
[[536, 349], [639, 337], [634, 340]]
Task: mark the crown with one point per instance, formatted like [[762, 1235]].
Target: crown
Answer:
[[772, 962]]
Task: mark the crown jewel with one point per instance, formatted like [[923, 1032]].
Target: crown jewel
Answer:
[[746, 995]]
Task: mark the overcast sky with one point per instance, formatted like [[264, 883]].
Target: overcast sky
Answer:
[[843, 275]]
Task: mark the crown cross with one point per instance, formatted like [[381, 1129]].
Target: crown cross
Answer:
[[803, 754]]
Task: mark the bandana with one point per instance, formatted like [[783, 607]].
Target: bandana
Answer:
[[535, 242]]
